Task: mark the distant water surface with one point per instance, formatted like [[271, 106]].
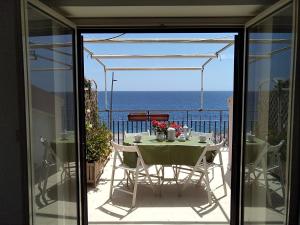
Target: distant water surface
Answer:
[[160, 100]]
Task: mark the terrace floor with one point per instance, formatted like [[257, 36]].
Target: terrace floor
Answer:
[[168, 208]]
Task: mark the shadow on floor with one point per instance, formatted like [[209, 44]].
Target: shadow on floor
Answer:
[[194, 196]]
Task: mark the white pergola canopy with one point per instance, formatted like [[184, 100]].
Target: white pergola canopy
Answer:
[[209, 57]]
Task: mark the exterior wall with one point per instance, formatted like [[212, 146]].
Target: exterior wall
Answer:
[[13, 158]]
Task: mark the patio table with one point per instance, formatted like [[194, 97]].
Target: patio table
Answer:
[[65, 148], [166, 153], [253, 149]]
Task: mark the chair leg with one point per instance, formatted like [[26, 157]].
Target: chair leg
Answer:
[[213, 174], [112, 175], [157, 173], [207, 184], [200, 179], [281, 177], [264, 167], [112, 182], [149, 179], [223, 173], [223, 179], [188, 179], [136, 176]]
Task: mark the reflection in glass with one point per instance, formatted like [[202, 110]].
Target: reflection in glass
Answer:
[[52, 110], [267, 116]]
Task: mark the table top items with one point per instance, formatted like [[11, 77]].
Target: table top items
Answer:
[[181, 138], [171, 135], [137, 138], [250, 137], [186, 132], [202, 138]]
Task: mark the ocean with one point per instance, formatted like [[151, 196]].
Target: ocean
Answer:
[[165, 100]]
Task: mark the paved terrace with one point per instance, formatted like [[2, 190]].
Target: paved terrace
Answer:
[[168, 208]]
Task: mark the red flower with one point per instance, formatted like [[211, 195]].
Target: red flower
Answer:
[[155, 123], [175, 125], [162, 125], [178, 133]]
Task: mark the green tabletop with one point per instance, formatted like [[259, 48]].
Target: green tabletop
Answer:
[[253, 149], [166, 153], [65, 148]]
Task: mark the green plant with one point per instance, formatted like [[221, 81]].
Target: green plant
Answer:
[[88, 84], [97, 142]]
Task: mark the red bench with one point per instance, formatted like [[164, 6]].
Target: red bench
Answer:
[[145, 117], [137, 117], [159, 117]]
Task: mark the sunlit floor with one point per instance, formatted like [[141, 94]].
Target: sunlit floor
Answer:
[[57, 205], [168, 208]]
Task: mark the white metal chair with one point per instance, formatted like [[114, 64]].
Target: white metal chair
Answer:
[[266, 162], [140, 169], [202, 166], [49, 161]]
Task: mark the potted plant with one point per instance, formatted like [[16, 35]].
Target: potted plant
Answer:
[[97, 151]]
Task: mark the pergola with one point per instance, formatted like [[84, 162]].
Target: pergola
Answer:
[[209, 57], [226, 42]]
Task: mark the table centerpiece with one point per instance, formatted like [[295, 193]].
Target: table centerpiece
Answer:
[[161, 129]]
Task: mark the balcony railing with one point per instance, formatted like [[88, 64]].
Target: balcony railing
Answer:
[[215, 121]]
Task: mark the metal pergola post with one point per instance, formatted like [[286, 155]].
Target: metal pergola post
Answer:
[[202, 94], [105, 88]]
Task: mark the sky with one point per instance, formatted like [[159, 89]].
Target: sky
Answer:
[[218, 74]]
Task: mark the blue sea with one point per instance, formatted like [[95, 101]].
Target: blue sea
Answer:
[[142, 101]]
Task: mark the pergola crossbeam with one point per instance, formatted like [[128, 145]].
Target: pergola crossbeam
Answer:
[[151, 68], [155, 56], [159, 40], [181, 40]]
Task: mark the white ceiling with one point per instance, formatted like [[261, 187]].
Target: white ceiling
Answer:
[[110, 12], [160, 11]]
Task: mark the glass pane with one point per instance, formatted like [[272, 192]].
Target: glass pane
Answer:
[[52, 110], [267, 119]]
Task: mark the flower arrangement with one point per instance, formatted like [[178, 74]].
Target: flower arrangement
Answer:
[[159, 127], [177, 127], [162, 127]]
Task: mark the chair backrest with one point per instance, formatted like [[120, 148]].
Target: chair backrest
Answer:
[[275, 149], [269, 151], [215, 147], [123, 148], [131, 149], [210, 152], [49, 156]]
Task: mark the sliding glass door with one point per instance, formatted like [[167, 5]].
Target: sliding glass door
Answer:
[[52, 113], [267, 118]]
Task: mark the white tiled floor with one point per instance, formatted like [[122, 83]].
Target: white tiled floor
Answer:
[[191, 208]]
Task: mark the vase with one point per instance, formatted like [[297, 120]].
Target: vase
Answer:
[[160, 136]]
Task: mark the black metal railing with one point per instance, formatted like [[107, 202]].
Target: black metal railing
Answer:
[[207, 121]]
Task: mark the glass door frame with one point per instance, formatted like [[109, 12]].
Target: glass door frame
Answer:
[[25, 31], [237, 99], [292, 198]]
